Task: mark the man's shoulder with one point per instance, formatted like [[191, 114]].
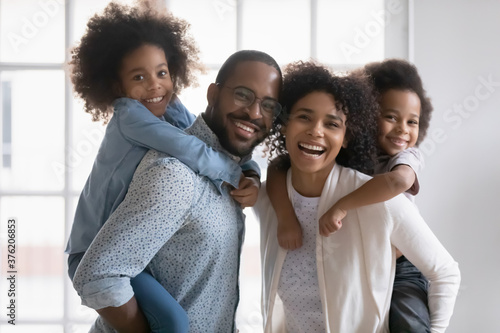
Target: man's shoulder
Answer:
[[163, 165]]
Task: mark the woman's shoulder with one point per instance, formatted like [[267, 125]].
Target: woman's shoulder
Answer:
[[351, 176]]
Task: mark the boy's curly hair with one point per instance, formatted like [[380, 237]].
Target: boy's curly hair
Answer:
[[353, 95], [399, 74], [112, 35]]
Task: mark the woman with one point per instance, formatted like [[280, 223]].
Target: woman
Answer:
[[342, 283]]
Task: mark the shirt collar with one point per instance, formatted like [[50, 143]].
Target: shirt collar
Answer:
[[200, 129]]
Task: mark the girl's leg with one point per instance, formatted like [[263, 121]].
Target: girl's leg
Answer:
[[409, 312], [163, 312], [73, 262]]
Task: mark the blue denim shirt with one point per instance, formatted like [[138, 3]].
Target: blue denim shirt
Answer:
[[130, 133]]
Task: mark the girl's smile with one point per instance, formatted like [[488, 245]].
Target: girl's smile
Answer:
[[145, 77]]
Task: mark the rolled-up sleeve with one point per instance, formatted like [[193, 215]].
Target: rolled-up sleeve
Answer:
[[156, 206]]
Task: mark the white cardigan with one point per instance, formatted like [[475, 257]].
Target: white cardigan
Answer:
[[356, 265]]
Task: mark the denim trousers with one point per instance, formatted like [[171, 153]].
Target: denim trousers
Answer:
[[409, 312]]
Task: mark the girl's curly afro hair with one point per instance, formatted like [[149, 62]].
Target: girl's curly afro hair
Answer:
[[115, 33], [353, 95], [399, 74]]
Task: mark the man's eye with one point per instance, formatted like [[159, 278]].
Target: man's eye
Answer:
[[268, 105], [242, 95]]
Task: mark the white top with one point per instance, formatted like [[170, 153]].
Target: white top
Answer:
[[298, 286], [356, 265]]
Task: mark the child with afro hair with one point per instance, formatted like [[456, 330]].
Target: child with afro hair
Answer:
[[128, 68]]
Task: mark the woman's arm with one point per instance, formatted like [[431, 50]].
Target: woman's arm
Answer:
[[414, 238]]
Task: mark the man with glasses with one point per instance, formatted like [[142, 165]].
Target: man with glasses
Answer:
[[175, 223]]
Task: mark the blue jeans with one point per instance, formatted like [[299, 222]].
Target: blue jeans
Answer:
[[409, 312], [163, 312]]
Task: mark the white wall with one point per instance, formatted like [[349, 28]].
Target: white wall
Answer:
[[456, 47]]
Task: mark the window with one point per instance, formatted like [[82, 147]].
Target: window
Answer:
[[49, 144]]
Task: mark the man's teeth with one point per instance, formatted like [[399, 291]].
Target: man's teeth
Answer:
[[243, 127], [311, 147], [154, 100]]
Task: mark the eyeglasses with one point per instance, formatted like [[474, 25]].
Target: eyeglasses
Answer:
[[245, 97]]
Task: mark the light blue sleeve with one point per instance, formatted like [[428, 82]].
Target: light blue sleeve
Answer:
[[119, 252], [251, 165], [142, 128], [178, 115]]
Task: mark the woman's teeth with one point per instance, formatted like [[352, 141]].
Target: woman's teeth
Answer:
[[311, 147]]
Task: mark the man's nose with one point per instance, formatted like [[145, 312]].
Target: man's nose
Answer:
[[254, 110]]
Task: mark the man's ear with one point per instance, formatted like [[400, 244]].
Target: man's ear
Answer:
[[212, 94]]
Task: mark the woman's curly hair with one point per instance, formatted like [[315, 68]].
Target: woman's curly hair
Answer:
[[115, 33], [353, 95], [399, 74]]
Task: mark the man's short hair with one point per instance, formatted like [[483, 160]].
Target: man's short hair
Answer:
[[245, 55]]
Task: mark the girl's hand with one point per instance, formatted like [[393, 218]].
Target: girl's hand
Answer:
[[331, 221], [247, 192], [290, 234]]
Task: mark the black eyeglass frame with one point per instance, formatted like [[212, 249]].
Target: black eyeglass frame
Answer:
[[277, 106]]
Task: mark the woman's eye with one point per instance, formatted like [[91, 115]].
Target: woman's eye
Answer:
[[413, 122], [138, 78], [334, 125], [390, 117], [162, 73]]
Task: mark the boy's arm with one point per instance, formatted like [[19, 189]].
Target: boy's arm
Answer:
[[289, 230], [380, 188], [142, 128]]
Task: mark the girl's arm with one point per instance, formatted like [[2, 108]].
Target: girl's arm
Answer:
[[289, 230], [142, 128], [380, 188]]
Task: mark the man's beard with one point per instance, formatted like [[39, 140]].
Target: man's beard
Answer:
[[233, 147]]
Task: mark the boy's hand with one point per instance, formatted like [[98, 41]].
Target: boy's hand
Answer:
[[331, 221], [247, 192], [290, 235]]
